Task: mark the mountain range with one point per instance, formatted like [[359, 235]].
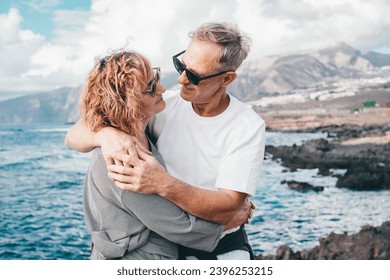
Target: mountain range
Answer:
[[57, 106], [266, 76], [272, 75]]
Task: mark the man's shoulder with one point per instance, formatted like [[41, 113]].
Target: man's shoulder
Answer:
[[245, 113]]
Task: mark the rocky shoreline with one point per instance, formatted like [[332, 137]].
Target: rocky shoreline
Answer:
[[370, 243], [364, 152], [367, 165]]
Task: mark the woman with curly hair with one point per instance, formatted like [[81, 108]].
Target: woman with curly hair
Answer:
[[123, 91]]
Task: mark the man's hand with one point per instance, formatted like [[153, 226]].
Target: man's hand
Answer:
[[242, 216], [143, 173]]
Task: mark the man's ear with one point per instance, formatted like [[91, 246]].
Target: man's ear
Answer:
[[229, 78]]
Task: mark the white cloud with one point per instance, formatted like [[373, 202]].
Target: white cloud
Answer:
[[289, 26], [16, 45], [10, 31], [159, 29], [70, 19], [50, 59], [42, 6]]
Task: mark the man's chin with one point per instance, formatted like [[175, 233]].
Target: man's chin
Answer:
[[186, 94]]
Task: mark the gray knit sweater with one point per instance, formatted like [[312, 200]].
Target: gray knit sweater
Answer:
[[131, 225]]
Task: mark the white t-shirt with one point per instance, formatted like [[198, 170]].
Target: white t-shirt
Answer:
[[225, 151]]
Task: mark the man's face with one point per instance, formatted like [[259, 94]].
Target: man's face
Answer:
[[202, 58]]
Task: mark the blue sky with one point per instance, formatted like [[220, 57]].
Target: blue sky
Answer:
[[38, 15], [47, 44]]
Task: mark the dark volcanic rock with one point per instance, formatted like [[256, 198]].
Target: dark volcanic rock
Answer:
[[368, 165], [370, 243], [302, 186], [350, 131], [371, 176]]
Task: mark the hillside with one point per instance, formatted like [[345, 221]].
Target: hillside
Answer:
[[310, 71], [58, 106], [286, 81]]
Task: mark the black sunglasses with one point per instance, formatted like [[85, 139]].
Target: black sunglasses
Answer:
[[192, 76], [152, 85]]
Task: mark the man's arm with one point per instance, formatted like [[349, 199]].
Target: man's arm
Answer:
[[171, 222], [218, 206], [149, 177]]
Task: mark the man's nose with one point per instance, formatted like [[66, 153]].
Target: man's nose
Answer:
[[183, 78]]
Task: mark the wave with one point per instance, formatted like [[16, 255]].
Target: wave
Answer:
[[21, 162], [64, 129], [14, 165], [64, 185]]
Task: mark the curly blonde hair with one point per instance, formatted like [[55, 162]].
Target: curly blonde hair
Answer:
[[112, 92]]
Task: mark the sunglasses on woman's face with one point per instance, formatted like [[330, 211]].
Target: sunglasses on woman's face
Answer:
[[152, 85], [192, 76]]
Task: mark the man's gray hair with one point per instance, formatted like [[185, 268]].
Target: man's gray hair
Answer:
[[235, 43]]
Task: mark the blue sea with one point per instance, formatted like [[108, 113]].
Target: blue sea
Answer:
[[41, 199]]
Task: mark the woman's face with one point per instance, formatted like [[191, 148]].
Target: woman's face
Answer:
[[153, 102]]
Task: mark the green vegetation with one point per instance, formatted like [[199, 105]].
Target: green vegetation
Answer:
[[369, 104]]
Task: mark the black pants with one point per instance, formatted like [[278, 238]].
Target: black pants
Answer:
[[237, 240]]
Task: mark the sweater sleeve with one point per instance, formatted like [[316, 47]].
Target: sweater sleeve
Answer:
[[171, 222]]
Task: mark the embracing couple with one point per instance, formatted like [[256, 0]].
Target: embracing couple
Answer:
[[171, 173]]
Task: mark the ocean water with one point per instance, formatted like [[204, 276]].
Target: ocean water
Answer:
[[41, 199]]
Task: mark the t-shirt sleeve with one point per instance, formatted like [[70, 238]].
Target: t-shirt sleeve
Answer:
[[240, 169]]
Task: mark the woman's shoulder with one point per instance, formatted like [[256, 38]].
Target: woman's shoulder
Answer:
[[97, 156]]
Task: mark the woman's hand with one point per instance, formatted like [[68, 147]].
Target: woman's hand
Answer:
[[114, 141], [111, 140]]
